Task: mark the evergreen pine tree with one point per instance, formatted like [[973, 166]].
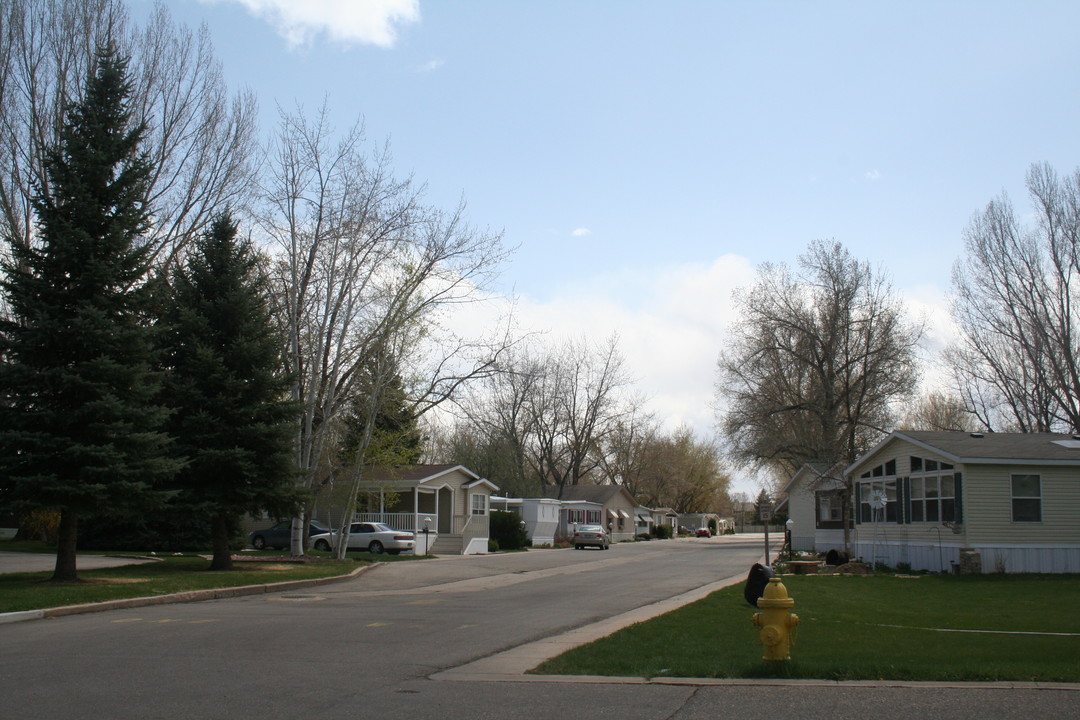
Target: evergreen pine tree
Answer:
[[231, 418], [79, 427]]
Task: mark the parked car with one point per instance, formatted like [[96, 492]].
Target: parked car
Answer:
[[280, 535], [373, 537], [590, 536], [703, 532]]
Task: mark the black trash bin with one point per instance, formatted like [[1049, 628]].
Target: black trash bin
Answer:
[[756, 582]]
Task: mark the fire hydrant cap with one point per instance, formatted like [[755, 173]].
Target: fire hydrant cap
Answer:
[[775, 596]]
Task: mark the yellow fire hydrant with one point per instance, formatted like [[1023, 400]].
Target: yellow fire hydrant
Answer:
[[776, 621]]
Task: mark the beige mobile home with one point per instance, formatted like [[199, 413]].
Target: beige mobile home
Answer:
[[1001, 502]]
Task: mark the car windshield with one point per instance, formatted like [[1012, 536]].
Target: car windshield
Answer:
[[590, 528], [382, 527]]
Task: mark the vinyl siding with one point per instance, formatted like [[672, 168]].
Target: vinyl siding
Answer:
[[988, 505]]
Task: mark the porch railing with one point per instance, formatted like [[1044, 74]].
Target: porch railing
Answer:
[[411, 522]]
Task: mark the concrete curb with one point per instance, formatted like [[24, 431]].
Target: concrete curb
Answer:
[[182, 597]]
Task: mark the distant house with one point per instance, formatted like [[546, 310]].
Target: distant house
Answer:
[[707, 521], [541, 516], [616, 503], [450, 501], [812, 499], [1011, 501]]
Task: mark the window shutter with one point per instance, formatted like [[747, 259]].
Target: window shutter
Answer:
[[958, 506], [903, 501], [858, 503]]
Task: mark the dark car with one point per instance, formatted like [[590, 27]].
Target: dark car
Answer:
[[280, 535]]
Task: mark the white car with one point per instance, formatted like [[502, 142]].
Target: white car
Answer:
[[373, 537]]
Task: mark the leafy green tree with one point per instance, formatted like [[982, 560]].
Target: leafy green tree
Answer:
[[80, 432], [232, 421], [395, 433]]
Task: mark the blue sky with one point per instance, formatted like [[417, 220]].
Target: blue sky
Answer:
[[646, 156]]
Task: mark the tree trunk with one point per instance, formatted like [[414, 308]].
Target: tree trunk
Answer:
[[66, 547], [222, 552]]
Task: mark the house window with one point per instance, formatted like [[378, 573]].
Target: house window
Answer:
[[479, 504], [871, 490], [933, 498], [592, 517], [1026, 498], [829, 510]]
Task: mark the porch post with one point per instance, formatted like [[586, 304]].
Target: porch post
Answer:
[[416, 508]]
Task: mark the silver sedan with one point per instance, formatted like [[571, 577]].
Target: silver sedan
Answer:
[[373, 537]]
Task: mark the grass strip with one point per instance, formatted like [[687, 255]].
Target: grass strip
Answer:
[[861, 628], [33, 591]]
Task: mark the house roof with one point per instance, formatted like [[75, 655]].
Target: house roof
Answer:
[[819, 470], [416, 474], [592, 493], [990, 448]]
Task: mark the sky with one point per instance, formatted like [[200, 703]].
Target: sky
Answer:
[[646, 158]]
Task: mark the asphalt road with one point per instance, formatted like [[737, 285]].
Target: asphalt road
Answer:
[[372, 648]]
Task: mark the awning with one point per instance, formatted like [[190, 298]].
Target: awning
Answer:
[[624, 514]]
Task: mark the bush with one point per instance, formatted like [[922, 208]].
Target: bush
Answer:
[[662, 532], [506, 530], [644, 536], [493, 545]]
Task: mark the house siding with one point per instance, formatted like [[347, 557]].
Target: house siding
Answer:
[[984, 518], [802, 509], [988, 505]]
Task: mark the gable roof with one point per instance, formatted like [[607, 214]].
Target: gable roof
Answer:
[[601, 494], [989, 448], [416, 473], [818, 470]]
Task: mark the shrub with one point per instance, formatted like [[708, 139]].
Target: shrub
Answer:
[[506, 529], [493, 545], [662, 532]]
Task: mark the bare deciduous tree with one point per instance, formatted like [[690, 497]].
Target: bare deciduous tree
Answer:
[[199, 141], [551, 410], [674, 470], [938, 410], [365, 271], [817, 361], [1016, 364]]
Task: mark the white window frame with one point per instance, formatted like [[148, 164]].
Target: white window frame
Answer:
[[481, 507], [1013, 497], [937, 479]]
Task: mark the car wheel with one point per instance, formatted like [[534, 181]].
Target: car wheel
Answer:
[[322, 545], [258, 542], [375, 548]]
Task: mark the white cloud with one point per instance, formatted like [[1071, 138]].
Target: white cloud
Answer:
[[672, 324], [430, 66], [872, 175], [581, 232], [368, 22]]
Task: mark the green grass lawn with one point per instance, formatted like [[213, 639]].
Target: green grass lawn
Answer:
[[32, 591], [861, 628]]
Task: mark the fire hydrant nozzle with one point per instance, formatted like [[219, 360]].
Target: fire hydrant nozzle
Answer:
[[776, 621]]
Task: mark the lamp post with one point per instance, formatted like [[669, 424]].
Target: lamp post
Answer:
[[427, 535], [787, 527]]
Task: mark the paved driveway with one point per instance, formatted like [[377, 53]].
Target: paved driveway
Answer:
[[40, 562]]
